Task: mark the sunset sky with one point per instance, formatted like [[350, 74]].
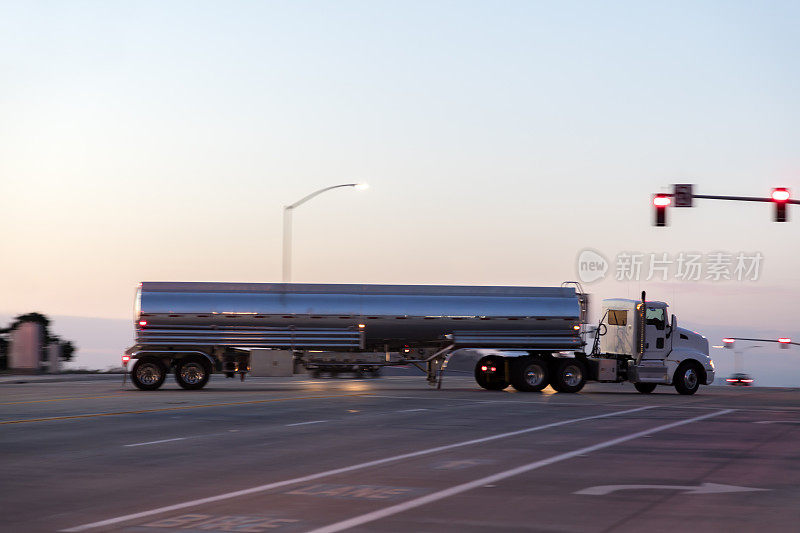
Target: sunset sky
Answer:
[[160, 140]]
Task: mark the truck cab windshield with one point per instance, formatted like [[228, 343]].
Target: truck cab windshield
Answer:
[[656, 317]]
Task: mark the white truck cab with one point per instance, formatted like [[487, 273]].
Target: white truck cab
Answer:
[[657, 350]]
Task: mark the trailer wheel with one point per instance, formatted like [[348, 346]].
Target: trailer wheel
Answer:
[[529, 375], [569, 375], [645, 388], [490, 379], [687, 378], [192, 373], [148, 373]]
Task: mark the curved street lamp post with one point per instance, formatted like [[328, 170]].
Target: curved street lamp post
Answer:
[[287, 225]]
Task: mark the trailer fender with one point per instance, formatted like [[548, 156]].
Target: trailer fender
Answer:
[[174, 354]]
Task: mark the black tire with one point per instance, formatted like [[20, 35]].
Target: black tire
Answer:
[[569, 375], [687, 378], [645, 388], [376, 372], [530, 375], [192, 373], [148, 373], [491, 380], [316, 373]]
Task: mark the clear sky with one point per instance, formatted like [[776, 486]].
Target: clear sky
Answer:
[[159, 141]]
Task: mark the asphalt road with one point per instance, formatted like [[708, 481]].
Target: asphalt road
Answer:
[[391, 454]]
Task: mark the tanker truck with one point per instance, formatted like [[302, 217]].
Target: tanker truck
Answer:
[[532, 336]]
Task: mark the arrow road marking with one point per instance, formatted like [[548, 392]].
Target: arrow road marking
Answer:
[[705, 488]]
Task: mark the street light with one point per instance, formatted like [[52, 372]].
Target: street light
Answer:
[[287, 224]]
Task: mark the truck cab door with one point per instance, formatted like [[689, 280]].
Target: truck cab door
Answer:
[[657, 343]]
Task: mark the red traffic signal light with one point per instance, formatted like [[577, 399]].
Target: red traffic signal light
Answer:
[[728, 343], [661, 201], [780, 196]]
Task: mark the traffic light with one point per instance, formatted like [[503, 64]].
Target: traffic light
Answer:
[[660, 202], [728, 343], [780, 197]]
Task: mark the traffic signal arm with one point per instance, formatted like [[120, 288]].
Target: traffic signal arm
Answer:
[[735, 198]]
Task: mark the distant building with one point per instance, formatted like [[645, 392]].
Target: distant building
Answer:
[[28, 347]]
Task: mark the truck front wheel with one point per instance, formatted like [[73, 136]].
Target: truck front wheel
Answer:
[[192, 373], [148, 373], [687, 378], [569, 375], [529, 375]]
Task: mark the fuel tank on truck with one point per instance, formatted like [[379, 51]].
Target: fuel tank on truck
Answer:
[[387, 314]]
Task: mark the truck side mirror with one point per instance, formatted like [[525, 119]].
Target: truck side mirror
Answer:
[[672, 326]]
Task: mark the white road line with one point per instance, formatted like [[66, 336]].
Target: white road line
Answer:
[[410, 410], [327, 473], [306, 423], [464, 487], [153, 442]]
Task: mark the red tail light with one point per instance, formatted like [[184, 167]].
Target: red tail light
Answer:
[[484, 368], [125, 359], [142, 323]]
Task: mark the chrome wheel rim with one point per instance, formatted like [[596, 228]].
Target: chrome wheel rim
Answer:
[[690, 378], [534, 375], [148, 373], [572, 375], [192, 373]]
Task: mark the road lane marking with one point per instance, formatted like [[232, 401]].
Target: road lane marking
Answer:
[[779, 422], [120, 395], [336, 471], [410, 410], [154, 442], [705, 488], [306, 423], [464, 487], [183, 407]]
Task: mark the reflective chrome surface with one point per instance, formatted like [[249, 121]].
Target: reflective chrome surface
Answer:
[[540, 317], [572, 375], [192, 373], [148, 373]]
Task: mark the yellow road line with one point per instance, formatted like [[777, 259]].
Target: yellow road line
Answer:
[[183, 407], [66, 399]]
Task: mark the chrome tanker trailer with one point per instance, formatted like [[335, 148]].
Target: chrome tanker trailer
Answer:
[[536, 334]]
